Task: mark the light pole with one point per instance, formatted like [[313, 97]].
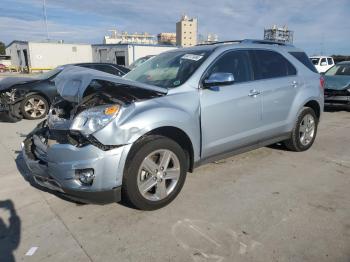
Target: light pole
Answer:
[[45, 18]]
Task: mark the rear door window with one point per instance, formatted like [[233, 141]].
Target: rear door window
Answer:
[[302, 57], [108, 69], [270, 64]]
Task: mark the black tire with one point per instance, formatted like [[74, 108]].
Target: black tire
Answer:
[[44, 106], [130, 189], [294, 143]]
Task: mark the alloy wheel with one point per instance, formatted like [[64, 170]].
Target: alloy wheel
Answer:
[[307, 129], [158, 175], [35, 107]]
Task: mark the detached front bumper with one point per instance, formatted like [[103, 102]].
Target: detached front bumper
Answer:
[[55, 166]]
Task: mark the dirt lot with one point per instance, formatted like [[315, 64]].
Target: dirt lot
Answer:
[[265, 205]]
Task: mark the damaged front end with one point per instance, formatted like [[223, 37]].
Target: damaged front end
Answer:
[[63, 153], [10, 103]]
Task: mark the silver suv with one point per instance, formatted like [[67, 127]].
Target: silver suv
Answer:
[[136, 137]]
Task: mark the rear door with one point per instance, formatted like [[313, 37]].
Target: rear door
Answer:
[[278, 82]]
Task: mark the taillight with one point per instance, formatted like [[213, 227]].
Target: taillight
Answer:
[[322, 82]]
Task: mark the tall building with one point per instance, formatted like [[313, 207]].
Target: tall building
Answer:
[[167, 38], [126, 38], [186, 31], [279, 34]]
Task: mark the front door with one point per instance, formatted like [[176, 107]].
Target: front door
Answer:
[[231, 114]]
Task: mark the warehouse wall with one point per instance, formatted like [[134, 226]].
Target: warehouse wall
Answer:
[[50, 55], [136, 51], [109, 53], [17, 56]]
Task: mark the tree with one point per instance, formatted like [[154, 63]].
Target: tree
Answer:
[[2, 48]]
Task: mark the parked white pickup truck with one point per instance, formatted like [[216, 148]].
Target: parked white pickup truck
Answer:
[[322, 63]]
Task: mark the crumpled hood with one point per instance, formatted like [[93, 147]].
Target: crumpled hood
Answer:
[[72, 82], [8, 82], [338, 82]]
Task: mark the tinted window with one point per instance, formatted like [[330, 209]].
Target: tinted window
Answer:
[[323, 60], [302, 57], [270, 64], [330, 61], [108, 69], [235, 62]]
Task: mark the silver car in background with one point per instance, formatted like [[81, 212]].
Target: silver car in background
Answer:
[[136, 137]]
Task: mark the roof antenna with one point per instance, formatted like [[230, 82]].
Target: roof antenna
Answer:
[[45, 18]]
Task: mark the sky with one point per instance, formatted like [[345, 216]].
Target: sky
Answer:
[[320, 26]]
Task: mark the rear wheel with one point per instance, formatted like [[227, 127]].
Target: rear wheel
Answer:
[[34, 107], [155, 173], [304, 131]]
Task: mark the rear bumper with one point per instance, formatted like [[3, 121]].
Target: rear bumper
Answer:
[[54, 167]]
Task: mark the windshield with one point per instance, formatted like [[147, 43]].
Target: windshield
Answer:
[[315, 61], [338, 70], [139, 62], [170, 69], [49, 74]]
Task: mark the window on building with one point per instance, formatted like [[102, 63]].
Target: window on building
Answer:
[[235, 62], [270, 64], [74, 49]]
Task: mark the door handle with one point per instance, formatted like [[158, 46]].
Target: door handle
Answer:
[[294, 84], [254, 93]]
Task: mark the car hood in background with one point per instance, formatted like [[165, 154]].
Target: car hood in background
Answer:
[[72, 82], [8, 82], [337, 82]]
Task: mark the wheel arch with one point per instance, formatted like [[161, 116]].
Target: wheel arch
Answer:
[[314, 105], [176, 134], [48, 100]]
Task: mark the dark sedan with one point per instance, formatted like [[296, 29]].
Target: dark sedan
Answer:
[[337, 84], [30, 97]]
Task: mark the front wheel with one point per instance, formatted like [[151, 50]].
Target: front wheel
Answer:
[[304, 131], [155, 173], [34, 107]]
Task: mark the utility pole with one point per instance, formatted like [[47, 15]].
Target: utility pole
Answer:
[[45, 18]]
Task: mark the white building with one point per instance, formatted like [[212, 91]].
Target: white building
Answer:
[[39, 56], [126, 38], [125, 54]]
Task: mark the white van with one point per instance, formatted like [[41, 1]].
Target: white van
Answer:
[[322, 63]]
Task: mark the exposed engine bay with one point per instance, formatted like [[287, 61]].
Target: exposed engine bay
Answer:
[[10, 102], [66, 108]]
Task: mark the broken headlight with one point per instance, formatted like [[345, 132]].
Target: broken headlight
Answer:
[[94, 119]]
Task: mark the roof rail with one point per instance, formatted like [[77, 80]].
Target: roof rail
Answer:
[[223, 42], [250, 41], [265, 42]]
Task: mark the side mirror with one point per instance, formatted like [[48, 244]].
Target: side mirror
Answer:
[[219, 79], [323, 64]]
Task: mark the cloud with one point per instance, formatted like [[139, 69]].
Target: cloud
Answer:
[[316, 23]]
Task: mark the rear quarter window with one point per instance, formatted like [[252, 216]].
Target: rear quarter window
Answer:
[[270, 64], [302, 57]]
